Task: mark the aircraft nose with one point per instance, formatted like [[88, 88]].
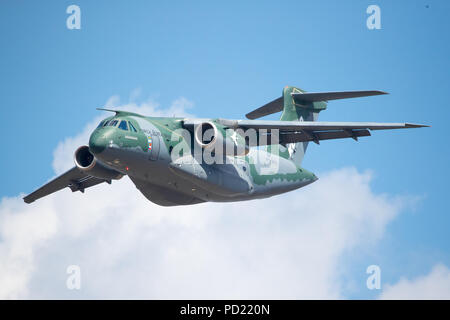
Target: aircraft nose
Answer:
[[97, 142]]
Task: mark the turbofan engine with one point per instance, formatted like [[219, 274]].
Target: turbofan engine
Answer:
[[89, 164], [208, 136]]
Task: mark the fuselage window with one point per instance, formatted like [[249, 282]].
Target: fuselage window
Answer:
[[132, 128], [123, 125]]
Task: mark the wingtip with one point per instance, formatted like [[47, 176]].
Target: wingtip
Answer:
[[27, 201], [416, 125], [250, 117]]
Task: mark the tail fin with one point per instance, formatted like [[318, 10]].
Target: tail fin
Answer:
[[299, 97], [298, 105], [295, 109]]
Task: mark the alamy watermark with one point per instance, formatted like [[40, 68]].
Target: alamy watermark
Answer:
[[73, 281], [205, 143], [374, 280], [374, 20], [74, 20]]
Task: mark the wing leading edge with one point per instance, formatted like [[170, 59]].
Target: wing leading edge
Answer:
[[74, 179], [302, 131]]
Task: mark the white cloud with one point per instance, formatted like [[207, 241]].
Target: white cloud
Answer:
[[135, 94], [434, 285], [287, 246]]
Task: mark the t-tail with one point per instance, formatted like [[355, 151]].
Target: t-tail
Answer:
[[299, 105]]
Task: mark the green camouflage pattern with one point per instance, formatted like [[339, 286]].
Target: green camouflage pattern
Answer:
[[260, 173]]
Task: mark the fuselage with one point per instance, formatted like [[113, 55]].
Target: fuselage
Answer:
[[148, 150]]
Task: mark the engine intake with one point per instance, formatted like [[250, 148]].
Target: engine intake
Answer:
[[89, 164], [208, 136]]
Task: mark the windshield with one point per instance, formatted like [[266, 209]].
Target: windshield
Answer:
[[123, 125], [111, 123], [132, 128]]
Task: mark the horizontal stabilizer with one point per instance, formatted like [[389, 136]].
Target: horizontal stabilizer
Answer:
[[269, 108], [308, 97], [325, 96]]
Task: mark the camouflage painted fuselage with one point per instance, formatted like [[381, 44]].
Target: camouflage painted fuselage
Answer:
[[182, 161], [146, 155]]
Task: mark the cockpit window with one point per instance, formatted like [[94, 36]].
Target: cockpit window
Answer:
[[111, 123], [100, 124], [132, 128], [123, 125]]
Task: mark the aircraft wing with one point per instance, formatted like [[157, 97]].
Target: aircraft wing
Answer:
[[74, 179], [300, 131]]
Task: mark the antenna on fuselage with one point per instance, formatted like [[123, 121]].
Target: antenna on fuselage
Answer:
[[110, 110], [121, 112]]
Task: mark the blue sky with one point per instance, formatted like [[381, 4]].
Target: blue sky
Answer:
[[229, 58]]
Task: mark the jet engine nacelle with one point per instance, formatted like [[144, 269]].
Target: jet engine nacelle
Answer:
[[208, 136], [89, 164]]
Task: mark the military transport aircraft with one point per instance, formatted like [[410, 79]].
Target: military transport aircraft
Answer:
[[182, 161]]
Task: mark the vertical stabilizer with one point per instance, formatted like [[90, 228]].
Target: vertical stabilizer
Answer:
[[296, 109]]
